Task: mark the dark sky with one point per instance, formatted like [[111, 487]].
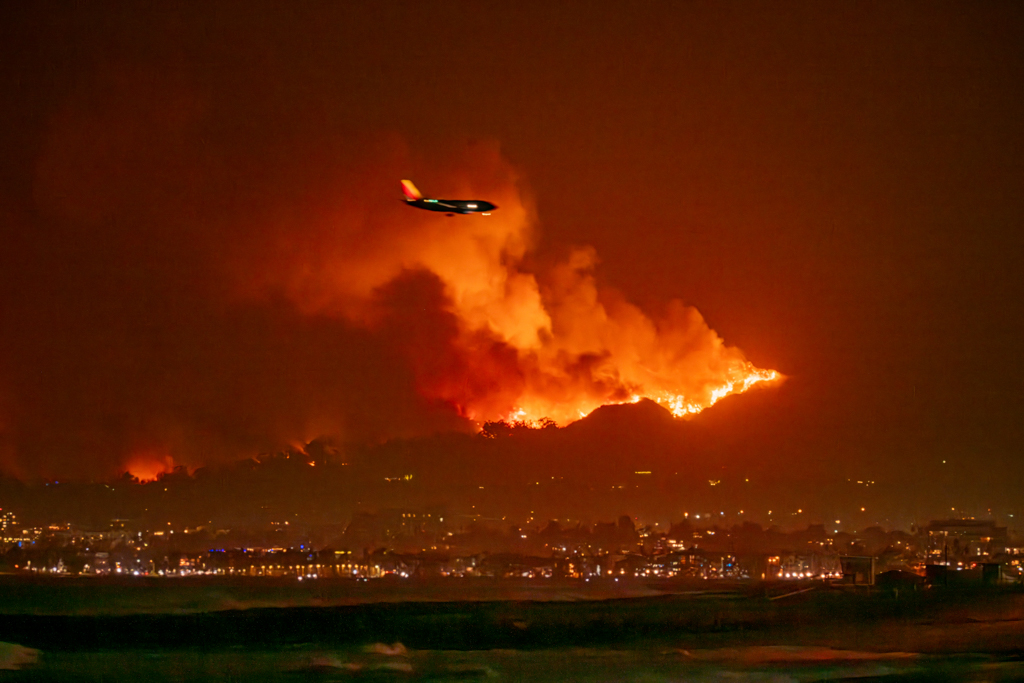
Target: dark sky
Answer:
[[189, 195]]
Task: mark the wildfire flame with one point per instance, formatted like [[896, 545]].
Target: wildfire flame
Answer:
[[679, 405], [149, 465], [523, 346]]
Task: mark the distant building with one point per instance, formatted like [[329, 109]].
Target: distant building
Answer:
[[8, 524], [952, 539], [858, 570]]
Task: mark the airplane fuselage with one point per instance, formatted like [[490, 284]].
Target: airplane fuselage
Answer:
[[452, 205]]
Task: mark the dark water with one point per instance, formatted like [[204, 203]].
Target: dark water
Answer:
[[774, 664], [151, 631]]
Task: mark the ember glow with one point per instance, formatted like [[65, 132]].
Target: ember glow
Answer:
[[518, 345], [149, 465]]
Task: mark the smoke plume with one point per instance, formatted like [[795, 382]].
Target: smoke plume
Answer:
[[480, 331], [179, 291]]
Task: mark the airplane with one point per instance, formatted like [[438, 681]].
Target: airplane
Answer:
[[448, 206]]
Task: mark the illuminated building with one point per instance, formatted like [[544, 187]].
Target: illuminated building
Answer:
[[950, 539]]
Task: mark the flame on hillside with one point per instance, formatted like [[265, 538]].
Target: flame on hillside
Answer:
[[679, 405]]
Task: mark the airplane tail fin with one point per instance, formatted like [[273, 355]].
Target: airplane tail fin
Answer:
[[410, 191]]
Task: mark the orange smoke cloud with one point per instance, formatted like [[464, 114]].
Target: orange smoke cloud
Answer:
[[494, 340]]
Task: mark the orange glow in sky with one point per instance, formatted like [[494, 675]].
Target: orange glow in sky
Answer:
[[147, 466]]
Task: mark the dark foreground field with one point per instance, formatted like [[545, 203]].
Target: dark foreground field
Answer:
[[755, 633]]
